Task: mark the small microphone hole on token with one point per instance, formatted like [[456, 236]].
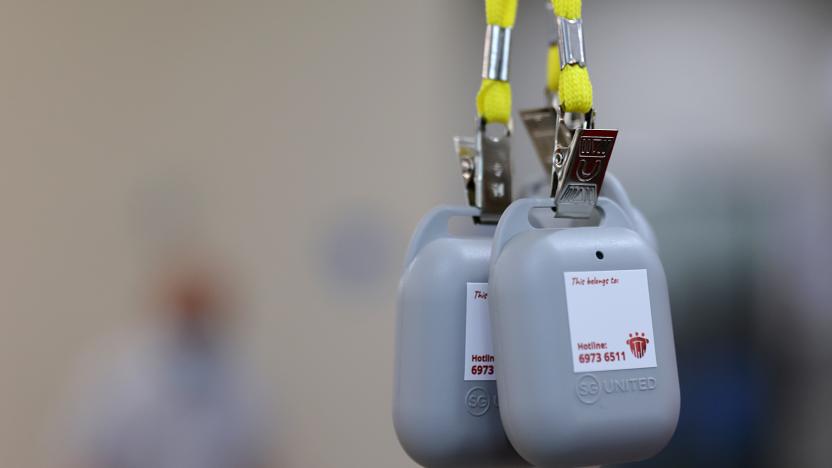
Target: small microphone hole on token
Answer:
[[599, 255]]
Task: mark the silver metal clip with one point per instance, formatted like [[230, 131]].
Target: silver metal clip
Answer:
[[541, 124], [573, 153], [579, 170], [486, 170]]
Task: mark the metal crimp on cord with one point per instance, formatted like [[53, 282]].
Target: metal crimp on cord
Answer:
[[571, 42], [495, 60]]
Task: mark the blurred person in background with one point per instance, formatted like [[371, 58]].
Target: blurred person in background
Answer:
[[172, 396]]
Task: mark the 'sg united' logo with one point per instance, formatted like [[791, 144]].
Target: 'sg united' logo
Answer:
[[478, 401], [638, 344], [588, 389]]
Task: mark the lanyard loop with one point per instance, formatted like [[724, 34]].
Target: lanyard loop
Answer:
[[494, 96]]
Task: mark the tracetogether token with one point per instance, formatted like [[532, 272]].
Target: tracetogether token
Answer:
[[583, 338], [446, 411]]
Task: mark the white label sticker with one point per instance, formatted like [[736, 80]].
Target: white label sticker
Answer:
[[479, 351], [610, 322]]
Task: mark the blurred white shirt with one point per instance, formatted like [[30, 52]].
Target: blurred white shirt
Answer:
[[167, 401]]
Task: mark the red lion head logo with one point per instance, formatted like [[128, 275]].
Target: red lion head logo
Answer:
[[638, 344]]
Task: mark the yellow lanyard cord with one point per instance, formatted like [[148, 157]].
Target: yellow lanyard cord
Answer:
[[553, 69], [574, 87], [569, 9], [494, 97]]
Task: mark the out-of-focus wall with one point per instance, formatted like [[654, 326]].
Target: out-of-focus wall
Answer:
[[308, 138]]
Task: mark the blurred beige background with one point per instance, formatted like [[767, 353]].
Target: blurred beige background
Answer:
[[284, 121], [306, 139]]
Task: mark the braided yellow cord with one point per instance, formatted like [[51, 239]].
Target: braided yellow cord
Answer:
[[574, 88], [501, 12], [494, 97], [553, 69], [569, 9], [494, 101]]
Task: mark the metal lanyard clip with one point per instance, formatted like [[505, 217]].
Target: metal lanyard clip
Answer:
[[574, 154], [486, 170], [579, 168], [543, 129]]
